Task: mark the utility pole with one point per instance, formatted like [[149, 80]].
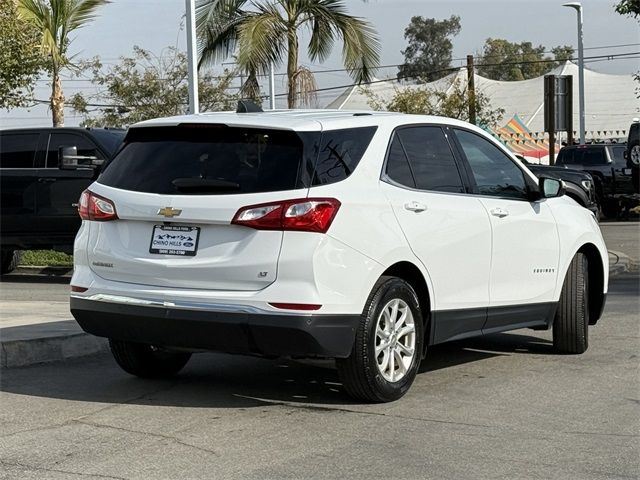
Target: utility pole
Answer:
[[578, 8], [192, 61], [471, 88]]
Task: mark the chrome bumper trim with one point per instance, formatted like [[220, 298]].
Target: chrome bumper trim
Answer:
[[182, 305]]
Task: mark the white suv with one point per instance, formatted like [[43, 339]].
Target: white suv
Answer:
[[364, 237]]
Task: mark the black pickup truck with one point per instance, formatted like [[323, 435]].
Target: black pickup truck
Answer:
[[43, 171], [578, 185], [607, 165]]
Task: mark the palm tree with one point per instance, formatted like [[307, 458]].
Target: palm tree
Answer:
[[55, 20], [263, 31]]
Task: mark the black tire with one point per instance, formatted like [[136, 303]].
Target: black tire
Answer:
[[571, 324], [147, 361], [359, 373], [9, 260], [610, 208]]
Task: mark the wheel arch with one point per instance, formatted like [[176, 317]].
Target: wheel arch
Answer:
[[574, 192], [411, 274], [596, 281]]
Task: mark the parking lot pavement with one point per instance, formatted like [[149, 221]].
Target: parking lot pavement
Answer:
[[36, 325], [623, 237], [503, 406]]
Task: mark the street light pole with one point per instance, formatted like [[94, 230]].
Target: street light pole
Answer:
[[578, 7], [272, 86], [192, 61]]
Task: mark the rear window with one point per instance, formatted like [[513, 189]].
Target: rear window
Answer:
[[216, 159], [582, 156]]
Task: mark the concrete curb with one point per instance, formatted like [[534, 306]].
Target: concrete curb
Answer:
[[22, 353], [57, 341]]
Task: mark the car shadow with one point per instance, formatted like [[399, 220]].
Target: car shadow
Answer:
[[213, 380], [29, 278]]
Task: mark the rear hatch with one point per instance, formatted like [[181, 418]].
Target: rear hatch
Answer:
[[175, 191]]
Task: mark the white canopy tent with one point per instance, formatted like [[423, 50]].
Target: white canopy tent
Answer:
[[610, 100]]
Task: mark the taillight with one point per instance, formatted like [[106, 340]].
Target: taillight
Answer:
[[303, 214], [96, 208]]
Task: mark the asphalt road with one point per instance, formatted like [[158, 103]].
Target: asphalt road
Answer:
[[502, 406]]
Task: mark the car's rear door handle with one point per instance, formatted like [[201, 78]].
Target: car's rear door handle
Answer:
[[499, 212], [415, 207], [46, 180]]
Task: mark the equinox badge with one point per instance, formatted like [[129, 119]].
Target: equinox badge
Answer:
[[169, 212]]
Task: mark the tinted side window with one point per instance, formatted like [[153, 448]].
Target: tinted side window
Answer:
[[340, 153], [494, 172], [398, 168], [617, 155], [17, 150], [431, 160], [85, 147]]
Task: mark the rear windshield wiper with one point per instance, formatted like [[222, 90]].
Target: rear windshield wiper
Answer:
[[197, 185]]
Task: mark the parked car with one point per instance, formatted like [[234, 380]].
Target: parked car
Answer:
[[43, 171], [579, 185], [363, 237], [607, 166], [632, 154]]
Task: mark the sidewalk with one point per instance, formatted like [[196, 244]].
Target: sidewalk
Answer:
[[26, 338]]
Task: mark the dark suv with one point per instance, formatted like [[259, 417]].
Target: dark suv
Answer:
[[607, 165], [43, 171], [633, 153]]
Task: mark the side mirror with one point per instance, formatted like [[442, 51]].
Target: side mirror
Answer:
[[68, 159], [551, 187]]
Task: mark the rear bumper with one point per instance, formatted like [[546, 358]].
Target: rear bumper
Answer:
[[328, 336]]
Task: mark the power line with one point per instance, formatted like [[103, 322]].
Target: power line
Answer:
[[591, 59]]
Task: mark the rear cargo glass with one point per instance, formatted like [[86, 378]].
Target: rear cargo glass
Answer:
[[216, 159]]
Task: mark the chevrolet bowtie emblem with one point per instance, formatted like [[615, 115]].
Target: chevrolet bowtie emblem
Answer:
[[169, 212]]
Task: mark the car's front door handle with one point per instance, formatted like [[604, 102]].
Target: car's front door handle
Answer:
[[499, 212], [415, 207], [46, 180]]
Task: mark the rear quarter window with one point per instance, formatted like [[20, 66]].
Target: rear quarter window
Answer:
[[340, 152]]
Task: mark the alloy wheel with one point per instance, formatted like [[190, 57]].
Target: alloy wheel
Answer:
[[395, 340]]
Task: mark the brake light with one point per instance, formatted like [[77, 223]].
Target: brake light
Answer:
[[303, 214], [96, 208], [75, 288]]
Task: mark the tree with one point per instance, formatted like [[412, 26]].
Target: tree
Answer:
[[145, 86], [20, 57], [428, 54], [504, 60], [452, 103], [629, 7], [267, 31], [54, 21]]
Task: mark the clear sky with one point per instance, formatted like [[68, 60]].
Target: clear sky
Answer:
[[155, 24]]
